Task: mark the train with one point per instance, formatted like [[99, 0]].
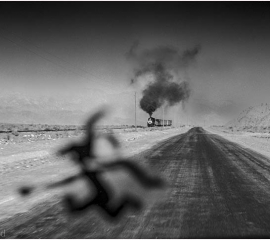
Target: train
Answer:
[[155, 122]]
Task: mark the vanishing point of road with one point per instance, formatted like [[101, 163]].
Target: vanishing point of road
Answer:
[[219, 189]]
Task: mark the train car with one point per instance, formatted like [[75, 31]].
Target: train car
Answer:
[[152, 122], [159, 122]]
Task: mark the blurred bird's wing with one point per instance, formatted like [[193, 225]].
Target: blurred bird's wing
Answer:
[[89, 125], [113, 140], [65, 150]]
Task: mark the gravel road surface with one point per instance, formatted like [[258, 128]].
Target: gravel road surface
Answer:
[[218, 189]]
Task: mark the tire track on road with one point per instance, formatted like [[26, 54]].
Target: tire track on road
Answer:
[[163, 219], [218, 189]]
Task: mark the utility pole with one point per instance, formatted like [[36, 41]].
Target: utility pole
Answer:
[[163, 116], [268, 129], [135, 113], [174, 119]]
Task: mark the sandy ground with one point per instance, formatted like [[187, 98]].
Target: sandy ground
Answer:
[[259, 142], [217, 189], [36, 163]]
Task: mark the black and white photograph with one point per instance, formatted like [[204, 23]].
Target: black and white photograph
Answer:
[[134, 119]]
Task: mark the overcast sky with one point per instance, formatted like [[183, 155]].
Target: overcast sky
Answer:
[[63, 49]]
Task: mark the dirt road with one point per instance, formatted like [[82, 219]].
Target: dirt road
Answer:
[[218, 189]]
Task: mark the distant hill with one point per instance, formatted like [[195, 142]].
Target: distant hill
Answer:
[[252, 119], [22, 109]]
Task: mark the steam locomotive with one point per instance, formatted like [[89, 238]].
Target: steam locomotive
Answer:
[[152, 122]]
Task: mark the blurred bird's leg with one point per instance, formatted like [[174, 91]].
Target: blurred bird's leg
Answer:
[[65, 150], [27, 190], [125, 202], [64, 182], [75, 206]]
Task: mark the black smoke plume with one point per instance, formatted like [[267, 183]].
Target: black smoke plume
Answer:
[[165, 64]]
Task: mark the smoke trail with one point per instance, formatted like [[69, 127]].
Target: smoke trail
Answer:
[[164, 64]]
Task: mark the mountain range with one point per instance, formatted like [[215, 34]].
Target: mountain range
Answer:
[[23, 109], [256, 118]]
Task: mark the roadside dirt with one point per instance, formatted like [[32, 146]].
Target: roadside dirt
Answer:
[[218, 189], [36, 163], [259, 142]]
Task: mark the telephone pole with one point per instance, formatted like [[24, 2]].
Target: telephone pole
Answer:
[[163, 116], [174, 122], [135, 112]]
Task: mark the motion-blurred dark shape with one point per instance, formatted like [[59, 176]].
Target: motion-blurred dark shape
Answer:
[[26, 190], [83, 155]]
